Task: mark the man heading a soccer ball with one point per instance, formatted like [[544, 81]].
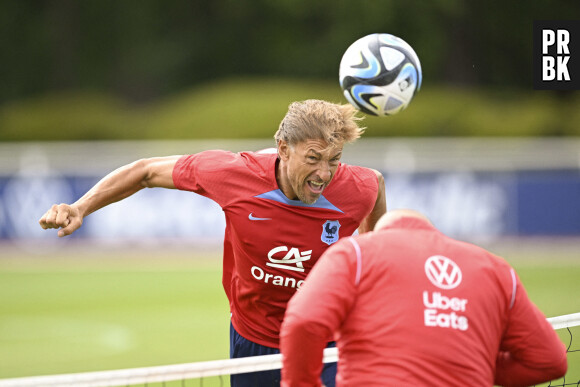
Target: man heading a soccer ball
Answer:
[[283, 209]]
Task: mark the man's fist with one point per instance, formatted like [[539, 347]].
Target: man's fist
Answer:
[[63, 216]]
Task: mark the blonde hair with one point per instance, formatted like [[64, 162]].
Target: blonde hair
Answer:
[[315, 119]]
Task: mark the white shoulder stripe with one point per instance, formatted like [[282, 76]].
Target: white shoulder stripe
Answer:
[[358, 260], [513, 273]]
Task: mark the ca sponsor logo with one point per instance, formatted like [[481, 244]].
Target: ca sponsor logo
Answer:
[[291, 260], [283, 257], [443, 272]]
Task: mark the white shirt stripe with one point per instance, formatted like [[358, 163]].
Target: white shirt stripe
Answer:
[[358, 260], [513, 273]]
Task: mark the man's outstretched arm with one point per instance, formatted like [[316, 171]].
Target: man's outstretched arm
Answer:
[[117, 185]]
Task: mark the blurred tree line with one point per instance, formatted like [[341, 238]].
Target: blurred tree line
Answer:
[[142, 51]]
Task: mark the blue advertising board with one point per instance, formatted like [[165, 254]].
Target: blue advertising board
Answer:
[[465, 205]]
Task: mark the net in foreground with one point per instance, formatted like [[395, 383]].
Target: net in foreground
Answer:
[[194, 374]]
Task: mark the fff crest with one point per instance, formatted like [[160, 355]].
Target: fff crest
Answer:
[[330, 231]]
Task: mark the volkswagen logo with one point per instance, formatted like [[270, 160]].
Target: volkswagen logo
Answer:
[[442, 272]]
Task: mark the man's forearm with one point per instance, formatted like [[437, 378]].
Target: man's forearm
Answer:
[[117, 185]]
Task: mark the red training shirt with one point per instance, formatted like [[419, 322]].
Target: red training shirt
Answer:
[[414, 307], [271, 242]]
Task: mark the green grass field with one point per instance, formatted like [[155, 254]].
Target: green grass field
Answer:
[[67, 315], [113, 310]]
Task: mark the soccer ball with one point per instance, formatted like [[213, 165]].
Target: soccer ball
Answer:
[[380, 74]]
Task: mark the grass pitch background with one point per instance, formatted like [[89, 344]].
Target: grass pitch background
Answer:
[[81, 310]]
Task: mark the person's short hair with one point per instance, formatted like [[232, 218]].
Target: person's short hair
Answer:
[[320, 120]]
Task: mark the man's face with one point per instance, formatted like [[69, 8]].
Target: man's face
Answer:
[[307, 168]]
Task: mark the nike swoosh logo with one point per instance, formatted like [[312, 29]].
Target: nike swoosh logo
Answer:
[[252, 217]]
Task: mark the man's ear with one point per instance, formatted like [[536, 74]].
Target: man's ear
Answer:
[[283, 150]]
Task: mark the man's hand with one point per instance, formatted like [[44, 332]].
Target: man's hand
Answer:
[[63, 216]]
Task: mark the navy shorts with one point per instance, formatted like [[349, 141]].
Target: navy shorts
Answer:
[[241, 347]]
